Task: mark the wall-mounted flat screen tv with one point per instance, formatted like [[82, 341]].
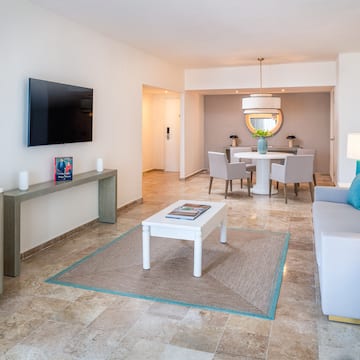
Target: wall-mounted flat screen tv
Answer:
[[59, 113]]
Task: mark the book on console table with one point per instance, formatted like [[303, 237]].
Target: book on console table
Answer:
[[188, 211]]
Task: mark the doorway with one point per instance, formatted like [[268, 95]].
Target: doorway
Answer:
[[160, 130]]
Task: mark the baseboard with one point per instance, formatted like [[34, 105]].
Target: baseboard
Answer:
[[193, 174], [344, 319], [130, 204], [27, 254], [152, 169]]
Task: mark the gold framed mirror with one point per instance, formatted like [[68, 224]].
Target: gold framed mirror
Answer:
[[266, 121]]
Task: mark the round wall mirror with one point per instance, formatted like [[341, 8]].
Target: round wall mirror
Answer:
[[270, 122]]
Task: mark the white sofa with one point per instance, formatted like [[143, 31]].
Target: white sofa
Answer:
[[337, 246]]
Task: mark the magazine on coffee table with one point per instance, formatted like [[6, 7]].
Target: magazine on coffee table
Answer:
[[188, 211]]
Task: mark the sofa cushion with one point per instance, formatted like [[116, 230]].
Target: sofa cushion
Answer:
[[354, 193], [336, 217]]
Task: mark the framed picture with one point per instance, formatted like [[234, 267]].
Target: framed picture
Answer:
[[63, 168]]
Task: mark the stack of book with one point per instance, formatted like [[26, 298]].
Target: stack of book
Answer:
[[188, 211]]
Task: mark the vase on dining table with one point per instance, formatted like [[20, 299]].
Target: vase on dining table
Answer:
[[262, 145]]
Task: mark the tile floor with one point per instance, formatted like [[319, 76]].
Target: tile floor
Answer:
[[45, 321]]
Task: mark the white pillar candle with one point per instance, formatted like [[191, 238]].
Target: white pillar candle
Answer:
[[99, 165], [23, 180]]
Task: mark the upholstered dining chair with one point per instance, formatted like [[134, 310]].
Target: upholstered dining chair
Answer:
[[301, 151], [296, 169], [220, 168], [250, 165]]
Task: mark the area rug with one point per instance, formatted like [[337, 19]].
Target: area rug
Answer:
[[242, 276]]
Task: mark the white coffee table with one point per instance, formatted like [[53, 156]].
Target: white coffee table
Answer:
[[195, 230]]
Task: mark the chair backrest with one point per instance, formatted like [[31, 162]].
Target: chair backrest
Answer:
[[308, 152], [299, 168], [237, 149], [217, 164], [301, 151]]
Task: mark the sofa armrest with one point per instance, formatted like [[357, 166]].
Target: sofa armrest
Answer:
[[339, 274], [332, 194]]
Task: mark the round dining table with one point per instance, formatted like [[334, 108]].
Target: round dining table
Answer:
[[263, 163]]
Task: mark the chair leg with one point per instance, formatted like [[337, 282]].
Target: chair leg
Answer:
[[285, 193], [314, 179], [248, 186], [296, 188], [270, 186], [241, 183], [277, 185], [226, 188], [231, 185], [210, 184], [311, 191]]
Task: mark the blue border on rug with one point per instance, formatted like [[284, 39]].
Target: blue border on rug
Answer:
[[269, 316]]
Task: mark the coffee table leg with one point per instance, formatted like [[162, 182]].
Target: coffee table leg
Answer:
[[223, 231], [197, 255], [146, 246]]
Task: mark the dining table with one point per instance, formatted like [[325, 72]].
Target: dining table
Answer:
[[263, 164]]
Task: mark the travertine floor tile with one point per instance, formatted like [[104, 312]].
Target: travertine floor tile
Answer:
[[47, 321]]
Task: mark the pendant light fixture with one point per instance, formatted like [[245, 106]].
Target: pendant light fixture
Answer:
[[261, 103]]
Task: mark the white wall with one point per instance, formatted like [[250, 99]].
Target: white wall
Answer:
[[274, 76], [153, 132], [192, 147], [348, 119], [37, 43], [147, 133]]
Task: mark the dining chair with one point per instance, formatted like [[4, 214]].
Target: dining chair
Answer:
[[296, 169], [301, 151], [220, 168], [250, 165]]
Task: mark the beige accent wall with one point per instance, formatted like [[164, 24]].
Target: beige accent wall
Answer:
[[306, 115]]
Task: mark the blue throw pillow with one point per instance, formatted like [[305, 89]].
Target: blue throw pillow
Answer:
[[354, 193]]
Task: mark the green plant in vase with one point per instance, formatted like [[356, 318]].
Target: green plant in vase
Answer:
[[262, 145]]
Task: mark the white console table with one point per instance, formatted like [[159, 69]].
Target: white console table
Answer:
[[12, 205]]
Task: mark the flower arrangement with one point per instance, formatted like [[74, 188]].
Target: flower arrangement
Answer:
[[262, 133]]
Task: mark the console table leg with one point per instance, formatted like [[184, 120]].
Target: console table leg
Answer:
[[11, 236], [108, 199]]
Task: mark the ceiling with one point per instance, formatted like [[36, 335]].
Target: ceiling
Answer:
[[214, 33]]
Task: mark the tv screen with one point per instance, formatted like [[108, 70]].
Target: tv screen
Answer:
[[59, 113]]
